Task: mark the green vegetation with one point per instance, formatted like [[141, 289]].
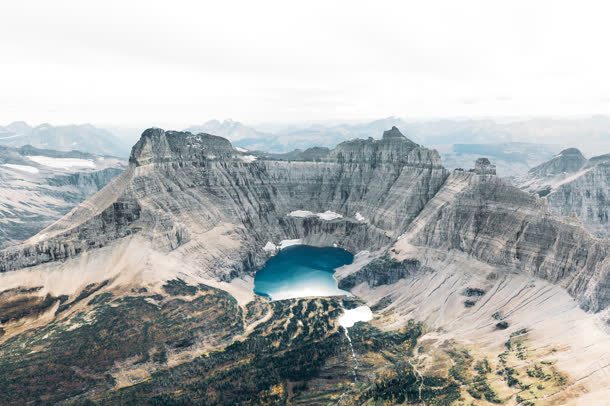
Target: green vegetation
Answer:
[[478, 385], [366, 338], [178, 287], [405, 386], [473, 292], [69, 357], [291, 347], [298, 355]]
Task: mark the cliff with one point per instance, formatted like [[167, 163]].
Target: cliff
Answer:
[[180, 187], [575, 188], [498, 224], [197, 196]]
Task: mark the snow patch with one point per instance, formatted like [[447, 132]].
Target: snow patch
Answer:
[[62, 163], [360, 217], [23, 168], [353, 316], [288, 243], [327, 215], [240, 149], [270, 247], [301, 213], [248, 158]]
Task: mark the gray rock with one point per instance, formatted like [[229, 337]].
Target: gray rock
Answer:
[[180, 186], [575, 188]]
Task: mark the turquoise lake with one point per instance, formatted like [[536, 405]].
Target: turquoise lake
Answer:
[[300, 271]]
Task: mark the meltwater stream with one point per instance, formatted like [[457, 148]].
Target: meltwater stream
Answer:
[[304, 271], [347, 321]]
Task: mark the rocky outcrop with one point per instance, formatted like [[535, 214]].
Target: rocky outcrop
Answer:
[[381, 271], [483, 166]]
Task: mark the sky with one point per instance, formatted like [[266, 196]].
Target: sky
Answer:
[[178, 63]]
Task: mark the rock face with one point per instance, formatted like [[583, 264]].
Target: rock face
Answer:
[[483, 166], [569, 160], [575, 187], [195, 194], [39, 186], [182, 186], [381, 271], [498, 224], [121, 296]]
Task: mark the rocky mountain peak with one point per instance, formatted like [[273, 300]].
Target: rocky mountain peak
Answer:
[[569, 160], [19, 127], [159, 146], [574, 152], [600, 160], [393, 148], [393, 132], [483, 166]]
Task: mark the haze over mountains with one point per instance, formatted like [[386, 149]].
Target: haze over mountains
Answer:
[[85, 138], [515, 145]]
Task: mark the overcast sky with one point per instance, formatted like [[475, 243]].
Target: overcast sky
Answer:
[[177, 63]]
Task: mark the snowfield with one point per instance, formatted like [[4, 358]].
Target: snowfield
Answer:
[[353, 316], [327, 215], [270, 247], [240, 149], [288, 243], [22, 168], [248, 158], [62, 163]]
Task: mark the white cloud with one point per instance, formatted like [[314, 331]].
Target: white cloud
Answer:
[[177, 63]]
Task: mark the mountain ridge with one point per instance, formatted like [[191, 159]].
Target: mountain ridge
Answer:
[[83, 137], [575, 188], [178, 152], [147, 286]]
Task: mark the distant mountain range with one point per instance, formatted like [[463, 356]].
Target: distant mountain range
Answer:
[[460, 142], [289, 138], [85, 137], [515, 145], [37, 186], [590, 134]]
